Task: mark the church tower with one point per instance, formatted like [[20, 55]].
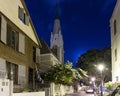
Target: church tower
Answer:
[[56, 41]]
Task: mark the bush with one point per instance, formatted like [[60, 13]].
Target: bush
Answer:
[[111, 85]]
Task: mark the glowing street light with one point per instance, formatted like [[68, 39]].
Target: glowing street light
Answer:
[[100, 67], [93, 79]]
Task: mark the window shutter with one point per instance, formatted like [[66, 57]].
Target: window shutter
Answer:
[[3, 30], [21, 13], [26, 19], [21, 74], [0, 27], [21, 43], [2, 68], [37, 55]]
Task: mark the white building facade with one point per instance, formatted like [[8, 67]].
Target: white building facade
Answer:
[[115, 42]]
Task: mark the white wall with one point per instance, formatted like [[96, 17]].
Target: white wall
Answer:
[[6, 87], [30, 94], [115, 42]]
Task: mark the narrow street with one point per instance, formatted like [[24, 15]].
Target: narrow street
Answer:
[[82, 93]]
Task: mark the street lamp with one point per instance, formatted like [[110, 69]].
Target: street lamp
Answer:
[[93, 79], [93, 83], [101, 67]]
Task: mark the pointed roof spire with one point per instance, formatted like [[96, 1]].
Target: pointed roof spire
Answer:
[[57, 13]]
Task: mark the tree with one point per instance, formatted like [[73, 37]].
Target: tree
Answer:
[[89, 61], [61, 74]]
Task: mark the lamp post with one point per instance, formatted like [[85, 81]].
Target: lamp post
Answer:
[[101, 67], [93, 81], [93, 84]]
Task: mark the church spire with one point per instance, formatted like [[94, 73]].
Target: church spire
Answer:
[[56, 40], [57, 13]]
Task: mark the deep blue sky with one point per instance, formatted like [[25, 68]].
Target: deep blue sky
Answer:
[[84, 23]]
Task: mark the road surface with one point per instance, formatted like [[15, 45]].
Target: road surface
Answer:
[[82, 93]]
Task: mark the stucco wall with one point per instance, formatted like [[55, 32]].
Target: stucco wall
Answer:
[[46, 60], [30, 94], [6, 87], [10, 9], [115, 45]]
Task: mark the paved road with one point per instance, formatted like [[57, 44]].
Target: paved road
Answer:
[[80, 94]]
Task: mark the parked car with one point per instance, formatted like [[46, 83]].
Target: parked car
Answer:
[[116, 92], [89, 91]]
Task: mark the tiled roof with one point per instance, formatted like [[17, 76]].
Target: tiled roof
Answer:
[[45, 48]]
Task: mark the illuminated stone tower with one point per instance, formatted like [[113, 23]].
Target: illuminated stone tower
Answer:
[[56, 41]]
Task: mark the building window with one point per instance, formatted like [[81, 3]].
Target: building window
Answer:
[[22, 16], [12, 72], [15, 73], [8, 68], [9, 31], [115, 27], [115, 54], [12, 38], [34, 54], [30, 77]]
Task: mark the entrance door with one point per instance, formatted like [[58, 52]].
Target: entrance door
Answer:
[[30, 77]]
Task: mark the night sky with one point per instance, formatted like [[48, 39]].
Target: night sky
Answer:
[[84, 23]]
